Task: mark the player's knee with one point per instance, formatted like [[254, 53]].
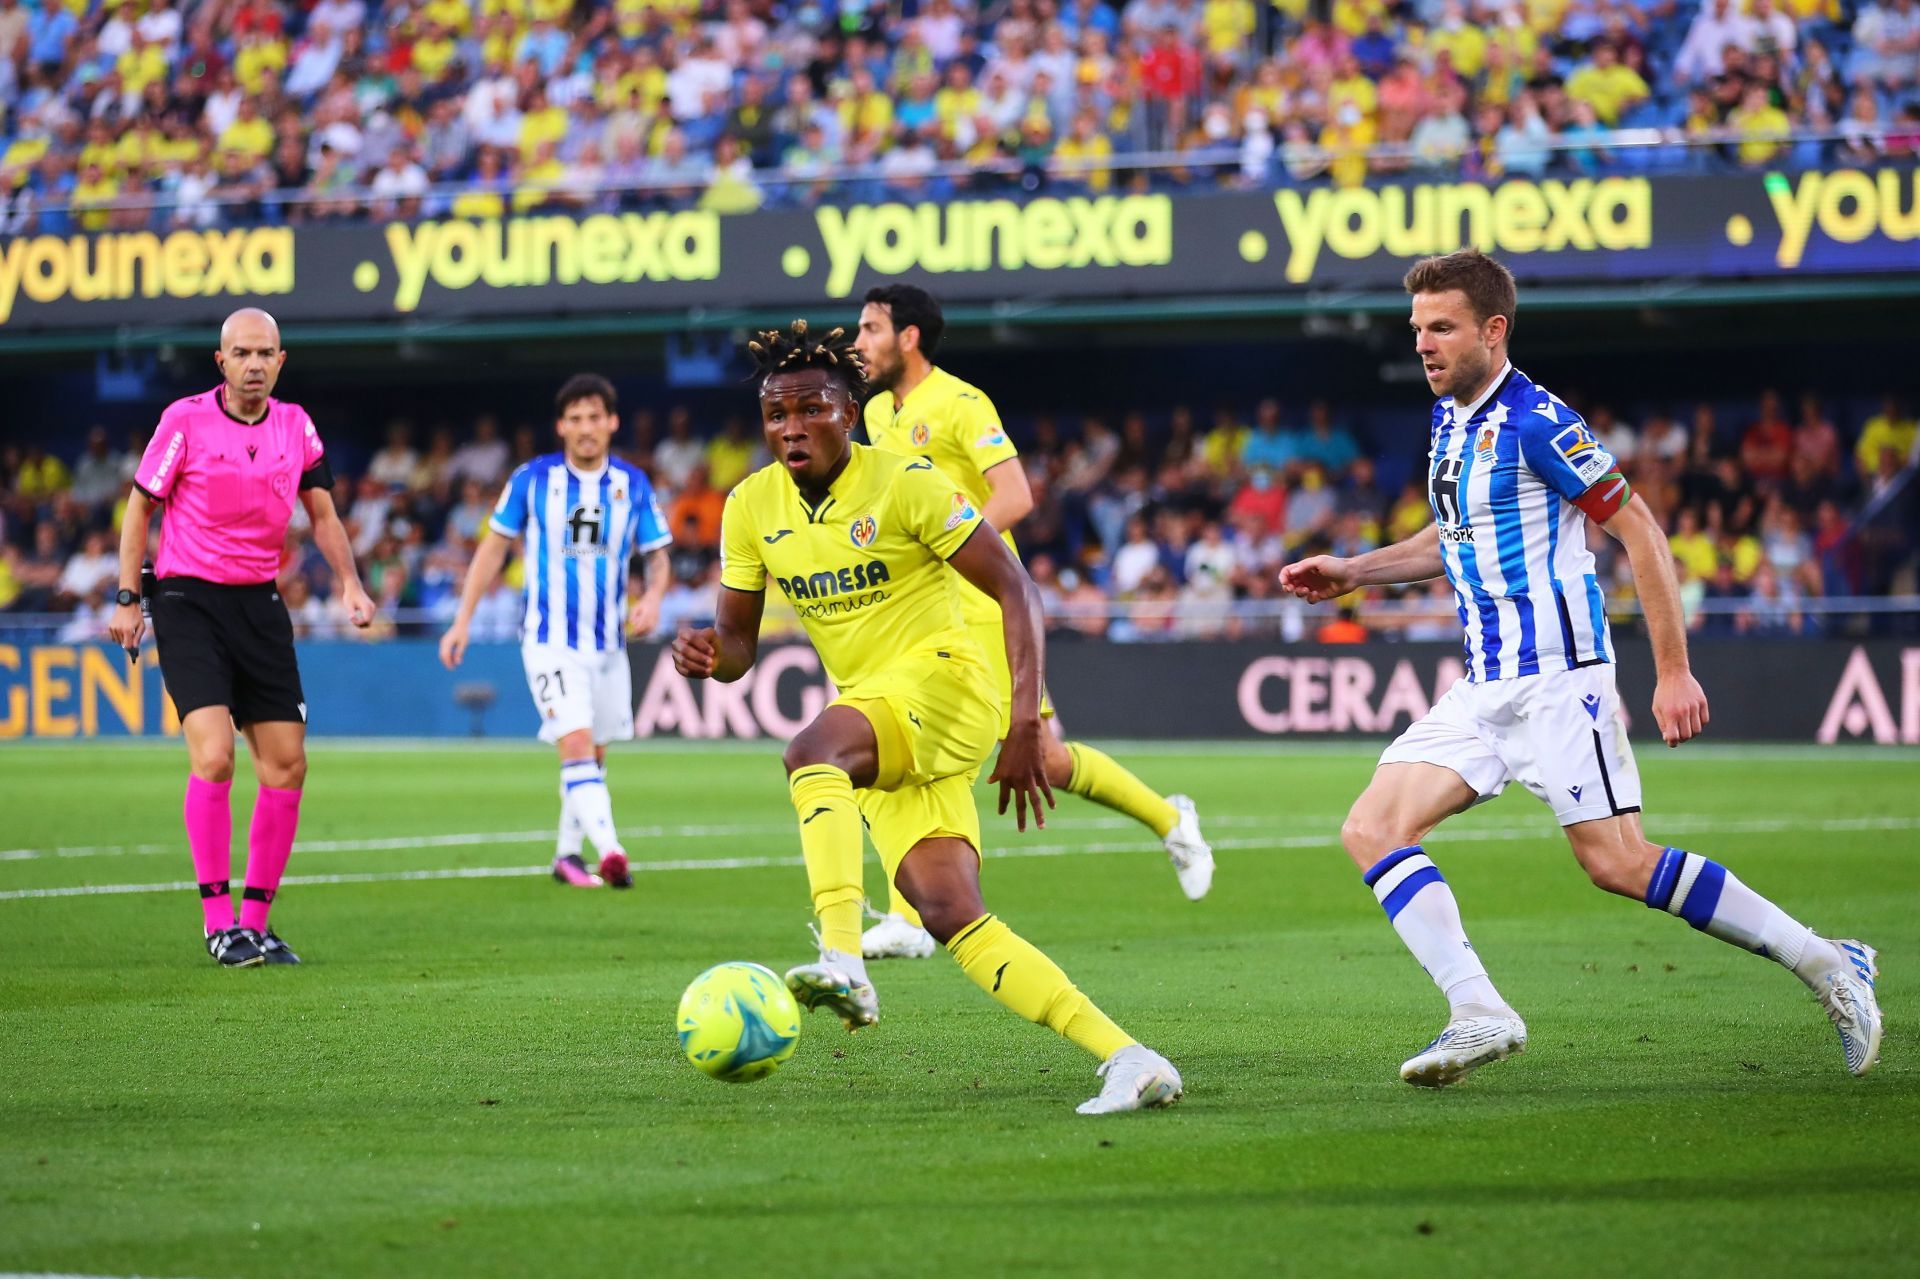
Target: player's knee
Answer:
[[290, 774], [1620, 869], [945, 914], [1059, 764], [802, 751], [1367, 837], [212, 764]]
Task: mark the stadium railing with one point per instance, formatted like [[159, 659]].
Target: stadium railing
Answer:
[[1163, 620], [1635, 151]]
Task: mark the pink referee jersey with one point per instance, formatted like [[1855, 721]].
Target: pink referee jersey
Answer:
[[229, 488]]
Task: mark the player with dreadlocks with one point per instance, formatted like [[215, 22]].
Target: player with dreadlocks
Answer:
[[870, 548]]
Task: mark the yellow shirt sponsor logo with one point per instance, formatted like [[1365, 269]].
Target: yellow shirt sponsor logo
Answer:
[[869, 588]]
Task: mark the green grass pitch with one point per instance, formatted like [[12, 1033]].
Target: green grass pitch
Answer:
[[475, 1072]]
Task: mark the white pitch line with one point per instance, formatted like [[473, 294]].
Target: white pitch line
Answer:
[[1465, 835], [1679, 824], [37, 1274], [470, 839]]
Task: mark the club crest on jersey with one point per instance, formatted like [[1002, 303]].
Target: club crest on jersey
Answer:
[[863, 531], [921, 435], [1484, 447], [962, 511]]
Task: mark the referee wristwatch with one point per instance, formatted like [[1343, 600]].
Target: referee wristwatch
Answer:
[[125, 596]]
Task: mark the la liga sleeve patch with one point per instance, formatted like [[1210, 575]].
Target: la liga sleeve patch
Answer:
[[1584, 455]]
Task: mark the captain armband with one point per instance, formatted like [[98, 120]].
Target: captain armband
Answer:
[[1605, 498]]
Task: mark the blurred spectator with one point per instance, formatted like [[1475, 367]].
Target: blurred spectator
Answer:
[[483, 458], [694, 515], [1137, 557], [1887, 432], [1766, 449], [40, 474], [733, 455], [100, 474], [466, 520], [395, 464], [1326, 441], [97, 561], [1345, 628], [1815, 442], [675, 457]]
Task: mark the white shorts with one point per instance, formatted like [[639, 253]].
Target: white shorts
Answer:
[[1558, 734], [573, 690]]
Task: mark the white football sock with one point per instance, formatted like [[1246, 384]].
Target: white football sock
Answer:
[[589, 803], [1712, 899], [572, 836], [1421, 907]]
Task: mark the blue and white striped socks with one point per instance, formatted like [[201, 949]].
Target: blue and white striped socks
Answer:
[[1421, 908], [584, 795], [1708, 896]]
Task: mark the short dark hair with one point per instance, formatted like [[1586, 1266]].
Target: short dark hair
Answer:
[[775, 351], [584, 386], [1488, 285], [912, 307]]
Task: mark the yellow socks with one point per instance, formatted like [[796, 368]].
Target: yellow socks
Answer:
[[830, 843], [1013, 971], [1098, 778]]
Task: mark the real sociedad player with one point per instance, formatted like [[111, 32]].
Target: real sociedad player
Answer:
[[1514, 478], [581, 516]]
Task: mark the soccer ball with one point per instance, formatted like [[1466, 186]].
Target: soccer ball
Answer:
[[738, 1023]]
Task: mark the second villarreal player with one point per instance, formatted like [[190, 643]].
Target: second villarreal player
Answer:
[[871, 548]]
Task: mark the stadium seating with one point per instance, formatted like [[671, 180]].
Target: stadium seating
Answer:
[[138, 113]]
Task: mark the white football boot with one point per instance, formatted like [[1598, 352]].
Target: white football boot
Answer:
[[827, 985], [1852, 1006], [1191, 854], [896, 937], [1467, 1043], [1137, 1078]]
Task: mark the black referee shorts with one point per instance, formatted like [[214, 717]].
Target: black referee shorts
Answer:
[[227, 646]]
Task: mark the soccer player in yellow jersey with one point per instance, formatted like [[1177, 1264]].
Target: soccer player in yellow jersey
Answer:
[[924, 411], [871, 547]]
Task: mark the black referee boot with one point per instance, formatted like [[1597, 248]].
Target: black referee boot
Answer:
[[236, 948], [277, 951]]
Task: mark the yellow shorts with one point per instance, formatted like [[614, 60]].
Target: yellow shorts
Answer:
[[992, 639], [938, 722]]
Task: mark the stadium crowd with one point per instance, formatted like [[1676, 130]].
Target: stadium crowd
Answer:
[[129, 114], [1154, 526]]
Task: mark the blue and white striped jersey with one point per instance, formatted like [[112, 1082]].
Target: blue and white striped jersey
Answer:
[[1503, 473], [579, 533]]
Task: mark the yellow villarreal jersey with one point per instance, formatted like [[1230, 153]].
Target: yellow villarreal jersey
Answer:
[[954, 426], [866, 569]]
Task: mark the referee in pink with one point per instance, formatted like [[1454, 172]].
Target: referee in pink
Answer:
[[228, 466]]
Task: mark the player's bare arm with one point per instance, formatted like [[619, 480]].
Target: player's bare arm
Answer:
[[728, 649], [1021, 769], [645, 613], [330, 536], [1679, 703], [1319, 578], [127, 625], [481, 575], [1010, 496]]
